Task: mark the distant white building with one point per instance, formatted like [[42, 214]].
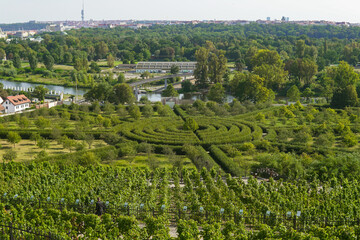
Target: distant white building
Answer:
[[38, 39], [3, 34], [21, 34], [17, 103], [55, 28], [159, 67]]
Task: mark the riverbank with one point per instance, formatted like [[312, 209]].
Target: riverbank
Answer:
[[42, 81], [52, 87]]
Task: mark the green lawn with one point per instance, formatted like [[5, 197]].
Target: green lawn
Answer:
[[27, 150], [144, 162]]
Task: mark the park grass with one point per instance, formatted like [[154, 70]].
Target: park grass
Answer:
[[55, 67], [63, 67], [230, 64], [27, 150], [36, 78], [103, 64], [25, 64], [142, 161]]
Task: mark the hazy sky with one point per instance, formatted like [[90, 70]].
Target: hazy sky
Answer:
[[25, 10]]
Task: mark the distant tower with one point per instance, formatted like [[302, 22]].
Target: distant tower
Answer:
[[83, 12]]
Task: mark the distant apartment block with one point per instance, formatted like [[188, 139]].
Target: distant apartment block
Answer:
[[162, 67]]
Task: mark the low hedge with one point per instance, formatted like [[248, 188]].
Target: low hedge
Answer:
[[46, 133], [200, 157], [224, 161]]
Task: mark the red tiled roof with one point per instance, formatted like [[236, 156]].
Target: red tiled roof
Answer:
[[18, 100], [2, 108]]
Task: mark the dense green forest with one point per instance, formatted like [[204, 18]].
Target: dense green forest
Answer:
[[180, 42]]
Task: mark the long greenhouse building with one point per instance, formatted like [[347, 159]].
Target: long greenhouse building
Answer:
[[162, 67]]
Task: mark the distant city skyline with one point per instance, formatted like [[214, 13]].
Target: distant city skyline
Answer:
[[13, 11]]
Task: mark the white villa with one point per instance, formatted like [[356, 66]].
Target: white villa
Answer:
[[17, 103]]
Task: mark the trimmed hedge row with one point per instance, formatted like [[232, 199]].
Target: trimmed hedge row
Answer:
[[253, 113], [159, 149], [164, 131], [227, 164], [179, 111], [200, 157], [222, 131], [46, 133], [299, 149]]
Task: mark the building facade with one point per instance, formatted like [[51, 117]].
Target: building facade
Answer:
[[165, 67], [17, 103]]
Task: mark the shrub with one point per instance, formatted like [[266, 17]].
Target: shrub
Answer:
[[226, 163], [191, 124]]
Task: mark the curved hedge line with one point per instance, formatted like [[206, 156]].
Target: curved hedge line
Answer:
[[200, 157], [164, 131], [46, 133], [227, 164]]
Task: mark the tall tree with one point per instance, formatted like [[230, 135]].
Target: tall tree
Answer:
[[217, 66], [170, 91], [300, 48], [110, 61], [17, 61], [174, 69], [269, 66], [265, 56], [49, 61], [40, 92], [346, 97], [248, 86], [293, 93], [2, 55], [100, 92], [201, 72], [345, 79], [101, 50], [134, 111], [13, 137], [303, 70], [216, 93], [124, 93], [121, 78], [32, 61]]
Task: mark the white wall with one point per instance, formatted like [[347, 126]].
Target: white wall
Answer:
[[10, 108]]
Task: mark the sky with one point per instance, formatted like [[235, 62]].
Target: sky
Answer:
[[52, 10]]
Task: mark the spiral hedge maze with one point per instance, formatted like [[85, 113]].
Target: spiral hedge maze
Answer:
[[233, 142], [211, 131]]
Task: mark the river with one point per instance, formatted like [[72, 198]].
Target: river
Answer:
[[153, 97], [26, 85]]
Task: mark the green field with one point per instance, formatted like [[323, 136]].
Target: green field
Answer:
[[27, 150]]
